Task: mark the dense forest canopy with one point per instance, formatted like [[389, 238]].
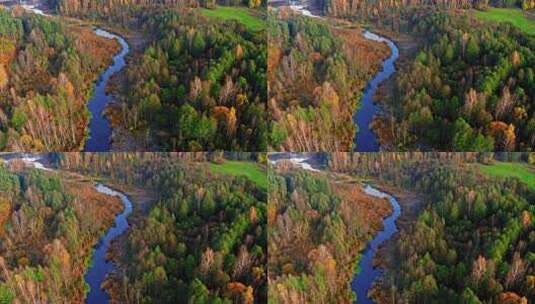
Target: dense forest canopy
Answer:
[[203, 241], [46, 73], [199, 86], [315, 75], [472, 243], [471, 88], [378, 9], [101, 9]]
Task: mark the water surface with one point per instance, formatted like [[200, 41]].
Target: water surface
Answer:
[[367, 273], [100, 267], [99, 127], [366, 139]]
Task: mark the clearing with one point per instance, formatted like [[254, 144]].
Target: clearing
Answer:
[[524, 172], [242, 168], [517, 17], [249, 17]]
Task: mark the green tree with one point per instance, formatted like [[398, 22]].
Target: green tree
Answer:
[[198, 45]]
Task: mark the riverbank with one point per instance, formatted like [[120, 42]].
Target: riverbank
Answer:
[[142, 201], [366, 139], [122, 139], [99, 127], [95, 132], [408, 47], [386, 256]]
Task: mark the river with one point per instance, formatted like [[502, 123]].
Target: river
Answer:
[[99, 127], [99, 133], [365, 139], [367, 273], [99, 267]]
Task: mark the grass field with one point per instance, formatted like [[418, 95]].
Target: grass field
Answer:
[[522, 171], [517, 17], [249, 169], [241, 14]]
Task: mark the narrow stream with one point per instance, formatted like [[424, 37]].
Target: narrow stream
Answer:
[[100, 267], [367, 273], [99, 127], [366, 139]]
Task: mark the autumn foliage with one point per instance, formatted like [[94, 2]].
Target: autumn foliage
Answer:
[[47, 71], [316, 72]]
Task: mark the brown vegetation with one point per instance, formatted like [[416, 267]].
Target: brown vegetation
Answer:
[[318, 226], [52, 226], [47, 70], [316, 72]]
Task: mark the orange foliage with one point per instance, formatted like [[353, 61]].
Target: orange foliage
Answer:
[[526, 218], [5, 213], [512, 298], [246, 293], [504, 135]]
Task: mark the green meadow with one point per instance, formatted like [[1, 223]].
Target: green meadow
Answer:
[[248, 17], [522, 171], [242, 168], [517, 17]]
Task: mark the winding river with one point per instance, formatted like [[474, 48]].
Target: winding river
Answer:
[[99, 127], [365, 139], [367, 273], [100, 266]]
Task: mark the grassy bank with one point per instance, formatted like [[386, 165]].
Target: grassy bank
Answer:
[[248, 17], [241, 168], [521, 171], [517, 17]]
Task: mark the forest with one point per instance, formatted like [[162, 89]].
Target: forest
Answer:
[[477, 90], [317, 228], [48, 226], [199, 86], [474, 239], [203, 241], [120, 9], [467, 87], [47, 69], [316, 73], [384, 9]]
